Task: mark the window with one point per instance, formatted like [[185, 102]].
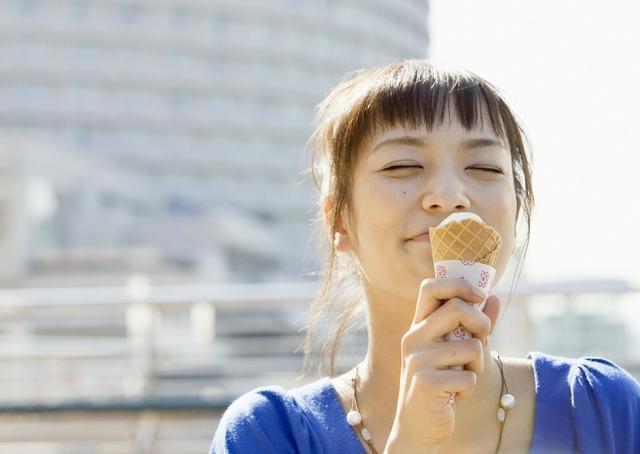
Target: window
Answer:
[[178, 19], [82, 55], [26, 8], [128, 14], [82, 97], [83, 136], [175, 101], [181, 205], [217, 66], [79, 10], [219, 25]]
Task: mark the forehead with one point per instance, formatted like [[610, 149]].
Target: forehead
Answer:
[[476, 138]]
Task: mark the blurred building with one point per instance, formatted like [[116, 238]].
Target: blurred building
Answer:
[[169, 135], [13, 238]]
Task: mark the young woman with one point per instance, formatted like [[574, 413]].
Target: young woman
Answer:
[[396, 150]]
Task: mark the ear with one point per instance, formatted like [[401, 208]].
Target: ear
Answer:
[[341, 238]]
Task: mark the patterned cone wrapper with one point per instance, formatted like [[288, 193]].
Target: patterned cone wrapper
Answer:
[[463, 246]]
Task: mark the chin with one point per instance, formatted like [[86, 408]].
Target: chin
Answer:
[[422, 270]]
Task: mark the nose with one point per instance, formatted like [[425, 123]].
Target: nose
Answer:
[[445, 192]]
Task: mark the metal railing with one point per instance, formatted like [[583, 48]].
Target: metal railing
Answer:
[[143, 338]]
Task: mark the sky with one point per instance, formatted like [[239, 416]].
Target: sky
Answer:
[[570, 71]]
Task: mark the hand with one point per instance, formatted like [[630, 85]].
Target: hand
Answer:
[[424, 417]]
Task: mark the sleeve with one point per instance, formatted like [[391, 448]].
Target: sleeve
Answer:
[[606, 405], [265, 420]]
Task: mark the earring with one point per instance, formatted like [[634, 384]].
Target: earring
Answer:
[[336, 239]]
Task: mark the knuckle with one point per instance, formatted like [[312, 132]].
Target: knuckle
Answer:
[[410, 362], [478, 365], [407, 343], [425, 380], [458, 307], [426, 283], [412, 343], [476, 345]]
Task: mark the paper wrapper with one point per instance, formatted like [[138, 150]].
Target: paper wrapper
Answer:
[[479, 274]]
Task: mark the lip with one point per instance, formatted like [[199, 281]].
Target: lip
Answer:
[[422, 237]]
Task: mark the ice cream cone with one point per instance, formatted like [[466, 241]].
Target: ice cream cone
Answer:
[[463, 246], [465, 239]]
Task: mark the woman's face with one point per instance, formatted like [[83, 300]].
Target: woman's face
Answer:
[[410, 179]]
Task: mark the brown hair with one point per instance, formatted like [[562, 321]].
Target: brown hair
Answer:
[[411, 94]]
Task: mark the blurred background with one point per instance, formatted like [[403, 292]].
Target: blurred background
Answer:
[[156, 258]]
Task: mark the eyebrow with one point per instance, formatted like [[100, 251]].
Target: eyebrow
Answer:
[[423, 143]]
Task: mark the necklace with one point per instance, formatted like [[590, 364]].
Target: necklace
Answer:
[[507, 402]]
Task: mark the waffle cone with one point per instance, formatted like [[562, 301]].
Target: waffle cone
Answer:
[[467, 239]]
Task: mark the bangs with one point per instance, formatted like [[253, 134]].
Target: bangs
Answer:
[[419, 95]]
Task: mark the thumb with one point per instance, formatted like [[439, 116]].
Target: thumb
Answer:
[[492, 310]]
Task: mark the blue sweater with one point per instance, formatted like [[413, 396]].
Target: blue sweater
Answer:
[[585, 405]]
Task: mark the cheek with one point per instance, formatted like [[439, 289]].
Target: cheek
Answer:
[[386, 191], [506, 249], [506, 212], [381, 211], [383, 203]]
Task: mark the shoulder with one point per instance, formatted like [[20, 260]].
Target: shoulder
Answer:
[[607, 390], [258, 421], [594, 395], [270, 419], [605, 376], [591, 374]]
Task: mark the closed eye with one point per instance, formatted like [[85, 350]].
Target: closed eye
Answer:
[[416, 166], [403, 166], [488, 169]]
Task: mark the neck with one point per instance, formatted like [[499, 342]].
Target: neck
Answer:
[[380, 377]]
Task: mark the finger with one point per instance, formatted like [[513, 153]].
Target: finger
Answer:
[[440, 356], [444, 382], [447, 318], [468, 353], [434, 291], [492, 310]]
